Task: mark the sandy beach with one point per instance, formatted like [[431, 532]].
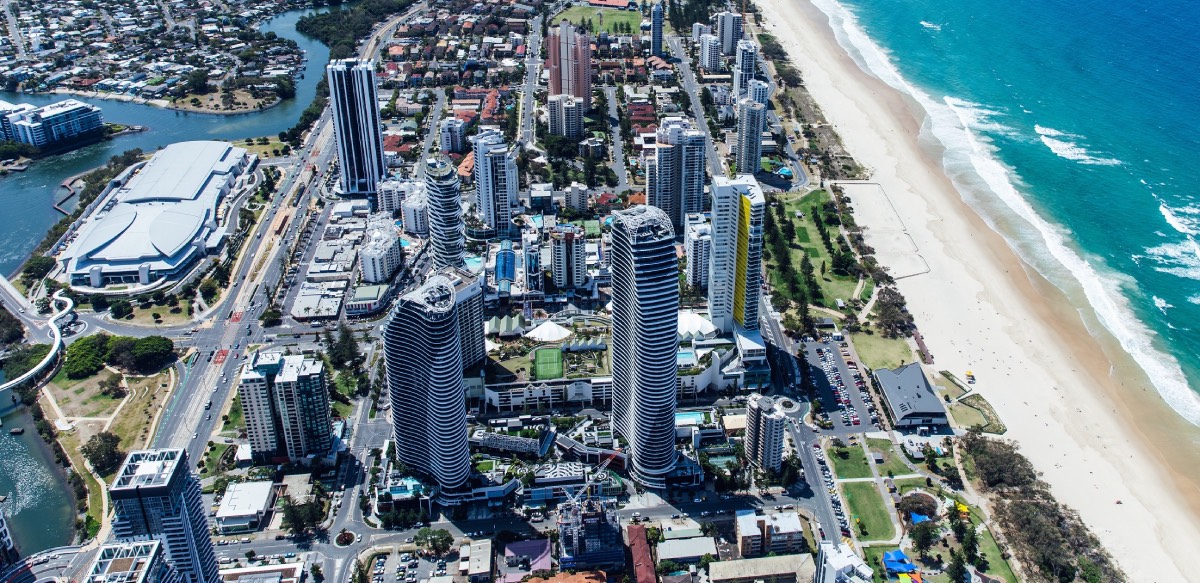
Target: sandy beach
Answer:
[[1082, 411]]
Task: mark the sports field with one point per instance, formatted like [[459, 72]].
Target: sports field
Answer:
[[547, 364], [614, 21]]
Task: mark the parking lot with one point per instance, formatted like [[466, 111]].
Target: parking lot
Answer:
[[410, 568], [842, 388], [835, 500]]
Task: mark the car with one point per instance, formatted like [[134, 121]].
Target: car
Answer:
[[195, 435], [358, 538]]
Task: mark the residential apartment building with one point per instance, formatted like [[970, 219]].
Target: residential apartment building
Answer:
[[423, 353], [752, 118], [155, 496], [697, 246], [566, 116], [760, 92], [569, 249], [781, 533], [132, 562], [765, 426], [645, 323], [569, 52], [8, 548], [710, 53], [729, 29], [53, 124], [496, 180], [745, 66], [468, 295], [675, 169], [381, 253], [840, 564], [285, 401], [452, 134], [735, 270], [355, 105], [447, 231], [656, 29]]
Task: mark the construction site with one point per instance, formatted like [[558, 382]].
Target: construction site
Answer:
[[589, 535]]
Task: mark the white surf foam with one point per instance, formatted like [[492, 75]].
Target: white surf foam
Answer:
[[964, 150], [1066, 146], [931, 26], [1161, 304]]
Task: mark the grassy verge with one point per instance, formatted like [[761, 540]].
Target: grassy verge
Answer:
[[977, 402], [95, 498], [855, 465], [234, 420], [878, 352], [147, 396], [874, 558], [990, 550], [967, 416], [891, 460], [870, 515]]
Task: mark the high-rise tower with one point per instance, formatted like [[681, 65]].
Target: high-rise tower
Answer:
[[656, 29], [765, 424], [745, 66], [443, 193], [735, 268], [496, 180], [729, 29], [675, 169], [645, 300], [423, 352], [569, 52], [569, 256], [752, 118], [355, 106], [155, 496]]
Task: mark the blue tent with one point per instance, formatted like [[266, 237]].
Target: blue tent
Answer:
[[897, 562], [918, 518]]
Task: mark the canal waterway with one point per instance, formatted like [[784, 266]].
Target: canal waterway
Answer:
[[39, 503]]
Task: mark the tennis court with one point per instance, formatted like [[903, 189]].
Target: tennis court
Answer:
[[547, 364]]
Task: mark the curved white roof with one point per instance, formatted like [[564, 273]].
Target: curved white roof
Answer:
[[694, 324], [548, 332]]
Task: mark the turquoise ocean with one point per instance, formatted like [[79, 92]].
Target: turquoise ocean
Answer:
[[1073, 129]]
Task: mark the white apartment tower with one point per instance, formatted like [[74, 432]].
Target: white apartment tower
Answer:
[[697, 246], [496, 180], [566, 115], [381, 253], [765, 425], [132, 562], [569, 249], [729, 29], [155, 496], [285, 400], [745, 66], [735, 270], [414, 214], [710, 53], [355, 105], [452, 133], [645, 316], [675, 169], [447, 232], [752, 119], [423, 354], [575, 196], [759, 91], [468, 295]]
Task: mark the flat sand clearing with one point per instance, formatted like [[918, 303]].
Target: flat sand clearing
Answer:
[[885, 230], [1081, 410]]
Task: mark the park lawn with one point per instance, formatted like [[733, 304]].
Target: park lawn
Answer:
[[966, 416], [82, 397], [263, 150], [147, 396], [989, 549], [168, 315], [342, 410], [95, 497], [874, 559], [854, 466], [808, 241], [485, 465], [212, 457], [878, 352], [612, 17], [866, 505], [891, 460], [234, 419]]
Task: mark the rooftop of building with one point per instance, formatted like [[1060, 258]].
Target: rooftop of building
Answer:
[[686, 548], [779, 523], [125, 562], [763, 568], [368, 293], [147, 468], [245, 499], [908, 392]]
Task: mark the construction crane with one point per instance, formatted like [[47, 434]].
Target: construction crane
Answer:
[[599, 472]]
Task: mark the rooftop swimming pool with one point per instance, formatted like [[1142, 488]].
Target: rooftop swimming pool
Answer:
[[686, 358], [685, 418]]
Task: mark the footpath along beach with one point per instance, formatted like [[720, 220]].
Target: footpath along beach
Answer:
[[1082, 411]]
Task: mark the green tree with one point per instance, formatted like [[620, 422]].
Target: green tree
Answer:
[[37, 267], [970, 546], [438, 541], [923, 536], [316, 573], [103, 452], [197, 82], [956, 570]]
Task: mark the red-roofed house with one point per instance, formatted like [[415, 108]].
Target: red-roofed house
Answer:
[[643, 563]]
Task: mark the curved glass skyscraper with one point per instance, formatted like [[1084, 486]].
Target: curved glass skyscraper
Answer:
[[645, 300], [443, 194], [425, 379]]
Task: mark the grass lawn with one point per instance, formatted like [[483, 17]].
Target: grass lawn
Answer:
[[212, 457], [906, 485], [611, 18], [891, 460], [485, 465], [342, 410], [874, 558], [95, 502], [548, 363], [263, 150], [878, 352], [234, 419], [82, 397], [808, 241], [994, 424], [866, 505], [967, 416], [148, 395], [168, 315], [996, 565], [854, 466]]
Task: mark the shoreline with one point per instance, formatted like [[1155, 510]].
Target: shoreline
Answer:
[[161, 103], [1036, 360]]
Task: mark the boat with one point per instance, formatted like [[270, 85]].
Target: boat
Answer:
[[17, 430]]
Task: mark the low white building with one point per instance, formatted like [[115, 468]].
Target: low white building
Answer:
[[381, 252], [244, 506]]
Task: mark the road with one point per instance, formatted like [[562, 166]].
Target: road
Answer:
[[715, 164], [533, 68], [618, 145]]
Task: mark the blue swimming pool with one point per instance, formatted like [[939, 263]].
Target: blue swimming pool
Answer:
[[684, 418]]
